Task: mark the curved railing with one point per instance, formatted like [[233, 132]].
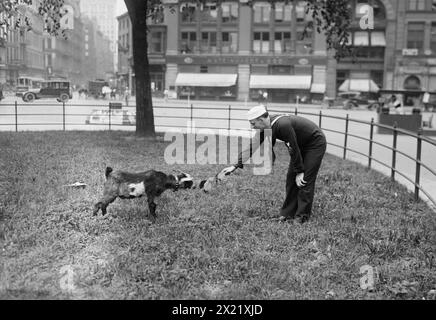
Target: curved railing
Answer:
[[419, 164]]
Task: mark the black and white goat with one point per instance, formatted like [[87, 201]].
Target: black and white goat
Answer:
[[151, 183]]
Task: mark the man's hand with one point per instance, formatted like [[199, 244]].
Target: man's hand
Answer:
[[299, 180], [225, 172]]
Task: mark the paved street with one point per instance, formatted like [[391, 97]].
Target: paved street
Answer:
[[48, 115]]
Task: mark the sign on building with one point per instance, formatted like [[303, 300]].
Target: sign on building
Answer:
[[410, 52], [67, 20]]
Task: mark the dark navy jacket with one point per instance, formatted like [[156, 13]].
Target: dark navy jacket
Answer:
[[298, 133]]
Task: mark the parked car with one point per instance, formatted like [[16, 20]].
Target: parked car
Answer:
[[117, 117], [25, 84], [354, 99], [59, 89], [95, 88]]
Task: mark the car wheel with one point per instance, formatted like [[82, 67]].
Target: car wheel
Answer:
[[29, 97], [64, 97], [349, 105]]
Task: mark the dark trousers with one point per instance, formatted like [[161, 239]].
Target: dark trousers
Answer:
[[298, 202]]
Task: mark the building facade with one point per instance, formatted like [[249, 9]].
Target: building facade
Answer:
[[64, 57], [22, 52], [374, 45], [80, 56], [125, 54], [237, 51], [103, 12], [157, 43], [414, 63]]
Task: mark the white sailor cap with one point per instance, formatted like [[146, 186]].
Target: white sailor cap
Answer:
[[256, 112]]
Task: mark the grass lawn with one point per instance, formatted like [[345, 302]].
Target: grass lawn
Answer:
[[222, 245]]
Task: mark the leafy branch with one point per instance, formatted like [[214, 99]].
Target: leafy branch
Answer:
[[13, 15]]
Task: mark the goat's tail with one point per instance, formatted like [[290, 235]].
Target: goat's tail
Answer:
[[108, 171]]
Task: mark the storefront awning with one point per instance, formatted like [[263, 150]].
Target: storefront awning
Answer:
[[317, 88], [361, 85], [206, 79], [378, 39], [280, 82], [361, 39]]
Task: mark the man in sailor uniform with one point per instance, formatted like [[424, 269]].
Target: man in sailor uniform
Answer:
[[306, 144]]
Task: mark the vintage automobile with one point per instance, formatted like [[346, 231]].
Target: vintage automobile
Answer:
[[114, 117], [409, 116], [98, 88], [354, 99], [58, 89], [26, 84]]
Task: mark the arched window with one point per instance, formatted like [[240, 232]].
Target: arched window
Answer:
[[412, 83]]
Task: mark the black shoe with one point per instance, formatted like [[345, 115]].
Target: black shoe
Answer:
[[285, 219], [302, 219]]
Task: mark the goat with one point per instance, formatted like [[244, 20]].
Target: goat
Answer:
[[151, 183]]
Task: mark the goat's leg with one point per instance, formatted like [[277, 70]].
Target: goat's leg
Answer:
[[103, 203], [152, 207]]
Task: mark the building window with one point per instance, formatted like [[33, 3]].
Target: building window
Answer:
[[281, 70], [203, 69], [157, 82], [301, 36], [417, 5], [365, 39], [208, 42], [341, 76], [209, 12], [304, 41], [262, 11], [229, 12], [282, 42], [433, 38], [229, 42], [261, 42], [282, 12], [188, 12], [158, 17], [301, 11], [259, 69], [188, 43], [415, 35], [156, 42], [412, 83], [377, 77], [370, 53], [369, 45]]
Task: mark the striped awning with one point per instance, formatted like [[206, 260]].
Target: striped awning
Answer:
[[378, 39], [206, 79], [317, 88], [280, 82], [361, 85]]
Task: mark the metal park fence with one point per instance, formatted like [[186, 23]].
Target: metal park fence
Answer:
[[226, 117]]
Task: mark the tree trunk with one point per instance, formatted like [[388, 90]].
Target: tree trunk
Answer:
[[144, 106]]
